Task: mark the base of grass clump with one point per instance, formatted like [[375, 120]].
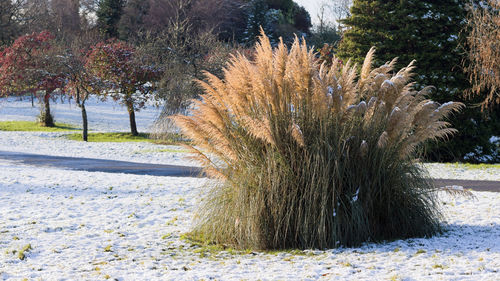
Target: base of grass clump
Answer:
[[205, 247], [170, 139], [26, 126], [316, 202], [111, 137]]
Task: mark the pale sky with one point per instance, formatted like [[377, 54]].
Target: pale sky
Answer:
[[312, 6]]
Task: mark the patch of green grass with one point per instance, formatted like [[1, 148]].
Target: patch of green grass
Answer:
[[110, 137], [108, 249], [438, 266], [473, 166], [346, 264], [166, 236], [394, 278], [26, 126], [170, 138], [172, 221], [206, 248], [421, 251], [22, 253]]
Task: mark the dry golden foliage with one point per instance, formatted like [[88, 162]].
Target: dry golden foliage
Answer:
[[284, 82], [483, 44], [458, 191]]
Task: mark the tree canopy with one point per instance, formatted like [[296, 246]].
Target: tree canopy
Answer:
[[123, 76]]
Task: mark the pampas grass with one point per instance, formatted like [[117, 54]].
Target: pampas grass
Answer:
[[309, 156]]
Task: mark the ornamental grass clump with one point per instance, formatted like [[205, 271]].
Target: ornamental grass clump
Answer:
[[309, 156]]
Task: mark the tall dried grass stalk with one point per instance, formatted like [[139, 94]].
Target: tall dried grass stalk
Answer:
[[309, 156], [483, 47]]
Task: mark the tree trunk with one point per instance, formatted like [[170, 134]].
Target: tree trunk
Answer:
[[85, 123], [81, 104], [45, 116], [131, 114], [32, 100]]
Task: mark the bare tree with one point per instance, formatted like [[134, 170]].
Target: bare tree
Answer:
[[9, 20], [36, 16], [340, 9], [88, 9], [185, 46], [80, 84], [66, 16], [483, 46], [323, 19]]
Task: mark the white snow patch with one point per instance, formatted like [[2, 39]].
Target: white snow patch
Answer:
[[355, 197], [387, 83]]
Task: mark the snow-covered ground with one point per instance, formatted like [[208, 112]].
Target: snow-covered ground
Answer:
[[463, 172], [107, 116], [90, 226], [54, 144], [96, 226]]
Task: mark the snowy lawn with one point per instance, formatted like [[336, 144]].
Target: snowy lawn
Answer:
[[96, 226], [91, 226], [106, 116]]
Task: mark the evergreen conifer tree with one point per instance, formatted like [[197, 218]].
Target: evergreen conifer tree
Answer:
[[109, 13], [260, 16], [430, 33], [278, 18]]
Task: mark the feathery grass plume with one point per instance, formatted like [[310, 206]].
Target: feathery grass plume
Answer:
[[310, 156]]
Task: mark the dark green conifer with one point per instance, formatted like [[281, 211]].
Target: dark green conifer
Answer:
[[278, 18], [109, 13], [430, 33]]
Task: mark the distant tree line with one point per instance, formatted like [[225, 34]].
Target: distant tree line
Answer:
[[131, 51], [454, 43], [434, 34]]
